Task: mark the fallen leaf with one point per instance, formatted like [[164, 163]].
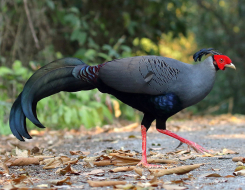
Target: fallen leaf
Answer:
[[228, 176], [52, 163], [181, 181], [240, 172], [22, 161], [97, 171], [239, 168], [139, 171], [60, 182], [67, 169], [22, 153], [21, 182], [121, 154], [122, 169], [105, 183], [238, 159], [178, 170], [80, 153], [187, 157], [122, 161], [173, 187], [227, 151], [213, 175], [127, 186], [5, 167]]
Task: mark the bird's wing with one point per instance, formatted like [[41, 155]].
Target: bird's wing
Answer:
[[143, 74]]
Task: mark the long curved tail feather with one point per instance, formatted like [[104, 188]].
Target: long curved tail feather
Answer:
[[59, 75]]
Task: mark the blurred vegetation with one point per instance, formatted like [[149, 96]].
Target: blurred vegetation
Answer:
[[33, 33]]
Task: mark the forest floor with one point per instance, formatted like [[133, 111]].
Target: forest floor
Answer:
[[106, 157]]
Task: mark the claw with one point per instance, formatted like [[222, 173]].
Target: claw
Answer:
[[191, 144], [180, 144], [196, 147]]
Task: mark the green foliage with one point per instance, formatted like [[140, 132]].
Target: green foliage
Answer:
[[220, 24], [99, 31]]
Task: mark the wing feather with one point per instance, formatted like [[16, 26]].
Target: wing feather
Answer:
[[143, 74]]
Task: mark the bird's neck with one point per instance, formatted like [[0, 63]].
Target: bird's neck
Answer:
[[201, 82]]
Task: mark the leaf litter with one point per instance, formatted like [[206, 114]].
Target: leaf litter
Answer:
[[121, 164]]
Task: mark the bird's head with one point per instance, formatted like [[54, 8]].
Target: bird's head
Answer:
[[223, 61], [220, 61]]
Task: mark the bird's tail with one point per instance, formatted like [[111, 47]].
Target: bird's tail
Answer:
[[59, 75]]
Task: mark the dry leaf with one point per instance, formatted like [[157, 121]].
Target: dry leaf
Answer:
[[173, 187], [21, 182], [139, 171], [178, 170], [121, 154], [227, 151], [22, 153], [181, 181], [240, 168], [80, 153], [22, 161], [123, 169], [240, 172], [67, 169], [238, 159], [52, 163], [97, 171], [123, 160], [161, 161], [187, 157], [105, 183], [228, 176], [5, 167], [127, 186], [72, 161], [61, 182], [213, 175]]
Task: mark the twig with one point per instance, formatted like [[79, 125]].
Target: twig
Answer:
[[31, 25]]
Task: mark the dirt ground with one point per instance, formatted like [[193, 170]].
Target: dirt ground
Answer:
[[223, 135]]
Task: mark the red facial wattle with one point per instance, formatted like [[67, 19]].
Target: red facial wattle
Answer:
[[222, 61]]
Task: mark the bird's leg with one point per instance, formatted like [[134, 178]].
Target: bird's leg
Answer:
[[143, 161], [193, 145]]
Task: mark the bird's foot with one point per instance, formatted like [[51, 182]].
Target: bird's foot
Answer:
[[182, 140], [144, 164], [196, 147]]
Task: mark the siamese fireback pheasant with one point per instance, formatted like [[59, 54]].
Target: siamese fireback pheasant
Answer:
[[157, 86]]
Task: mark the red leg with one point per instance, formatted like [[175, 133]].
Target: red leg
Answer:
[[143, 161], [193, 145]]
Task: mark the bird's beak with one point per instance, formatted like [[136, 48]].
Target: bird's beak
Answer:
[[231, 66]]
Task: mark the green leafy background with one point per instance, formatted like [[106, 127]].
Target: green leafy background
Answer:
[[97, 31]]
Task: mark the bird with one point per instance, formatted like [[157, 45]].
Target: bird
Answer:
[[157, 86]]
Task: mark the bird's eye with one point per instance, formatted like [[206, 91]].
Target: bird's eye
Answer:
[[221, 60]]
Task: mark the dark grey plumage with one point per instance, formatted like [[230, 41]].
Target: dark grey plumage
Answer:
[[157, 86]]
